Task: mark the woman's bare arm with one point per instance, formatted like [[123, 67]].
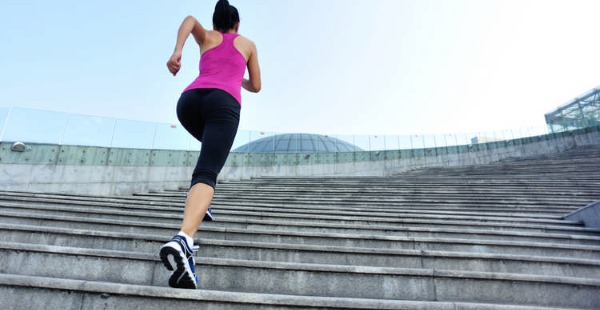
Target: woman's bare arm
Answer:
[[189, 25], [253, 83]]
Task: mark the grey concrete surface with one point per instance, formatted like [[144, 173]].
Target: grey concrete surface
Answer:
[[77, 294], [260, 216], [589, 215], [347, 240], [305, 279], [487, 236], [311, 254], [424, 229]]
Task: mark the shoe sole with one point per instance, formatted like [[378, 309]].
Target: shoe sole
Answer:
[[178, 279]]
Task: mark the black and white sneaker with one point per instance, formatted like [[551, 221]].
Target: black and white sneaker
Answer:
[[208, 216], [177, 255]]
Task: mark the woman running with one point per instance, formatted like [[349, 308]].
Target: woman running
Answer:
[[209, 109]]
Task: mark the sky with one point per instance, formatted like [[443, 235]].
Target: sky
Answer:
[[328, 67]]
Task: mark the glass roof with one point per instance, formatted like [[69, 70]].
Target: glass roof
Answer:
[[297, 143]]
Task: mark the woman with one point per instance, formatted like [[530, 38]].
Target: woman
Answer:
[[209, 109]]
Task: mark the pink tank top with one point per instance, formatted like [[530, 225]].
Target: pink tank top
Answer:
[[222, 67]]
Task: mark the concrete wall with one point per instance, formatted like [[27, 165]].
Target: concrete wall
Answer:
[[94, 170], [114, 171]]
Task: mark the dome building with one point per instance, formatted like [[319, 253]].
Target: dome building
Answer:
[[297, 143]]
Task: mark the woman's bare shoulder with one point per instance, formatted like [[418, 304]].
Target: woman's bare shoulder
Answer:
[[214, 36], [246, 42]]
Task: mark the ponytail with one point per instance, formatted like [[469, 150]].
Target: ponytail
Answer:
[[225, 16]]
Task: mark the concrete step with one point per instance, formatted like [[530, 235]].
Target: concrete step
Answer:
[[382, 219], [57, 293], [273, 220], [485, 230], [345, 240], [442, 176], [449, 184], [429, 184], [469, 203], [454, 188], [305, 279], [399, 209], [311, 254], [176, 199], [508, 199]]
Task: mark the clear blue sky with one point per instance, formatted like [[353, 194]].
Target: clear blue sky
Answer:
[[330, 67]]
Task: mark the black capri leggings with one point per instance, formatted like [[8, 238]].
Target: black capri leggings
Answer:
[[212, 116]]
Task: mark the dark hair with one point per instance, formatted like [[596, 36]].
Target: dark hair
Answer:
[[225, 16]]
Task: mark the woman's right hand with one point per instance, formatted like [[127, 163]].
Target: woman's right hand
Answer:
[[174, 63]]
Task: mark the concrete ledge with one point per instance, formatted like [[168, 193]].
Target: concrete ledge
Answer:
[[589, 215], [100, 295]]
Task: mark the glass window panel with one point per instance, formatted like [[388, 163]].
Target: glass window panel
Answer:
[[330, 146], [307, 145], [282, 145]]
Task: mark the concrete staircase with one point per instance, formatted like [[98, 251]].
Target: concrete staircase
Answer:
[[477, 237]]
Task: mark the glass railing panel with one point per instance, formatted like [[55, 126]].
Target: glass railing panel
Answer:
[[241, 138], [362, 142], [482, 137], [537, 131], [461, 138], [348, 143], [417, 141], [35, 126], [173, 137], [441, 140], [133, 134], [88, 130], [270, 141], [377, 142], [404, 142], [392, 142], [451, 140], [30, 125], [431, 141], [267, 141], [3, 117]]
